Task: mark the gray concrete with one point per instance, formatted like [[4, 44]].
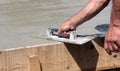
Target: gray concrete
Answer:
[[22, 22]]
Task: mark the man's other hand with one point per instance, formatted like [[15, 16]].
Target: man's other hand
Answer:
[[112, 40]]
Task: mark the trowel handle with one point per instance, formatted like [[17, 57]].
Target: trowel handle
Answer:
[[53, 32], [73, 35]]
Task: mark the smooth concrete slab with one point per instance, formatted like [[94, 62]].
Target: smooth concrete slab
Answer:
[[22, 22]]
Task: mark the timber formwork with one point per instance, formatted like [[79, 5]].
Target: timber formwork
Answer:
[[59, 57]]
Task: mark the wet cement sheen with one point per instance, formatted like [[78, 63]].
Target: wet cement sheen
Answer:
[[22, 22]]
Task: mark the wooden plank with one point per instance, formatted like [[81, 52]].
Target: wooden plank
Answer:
[[105, 61], [59, 57], [34, 63], [15, 59]]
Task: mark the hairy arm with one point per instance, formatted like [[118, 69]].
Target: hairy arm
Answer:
[[89, 11]]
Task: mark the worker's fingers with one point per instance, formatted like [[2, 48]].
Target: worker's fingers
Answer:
[[115, 47], [63, 33], [110, 46], [66, 34], [118, 44], [107, 48], [59, 31]]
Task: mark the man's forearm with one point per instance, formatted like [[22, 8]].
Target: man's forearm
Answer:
[[89, 11]]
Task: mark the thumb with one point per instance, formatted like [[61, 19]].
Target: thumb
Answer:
[[59, 31]]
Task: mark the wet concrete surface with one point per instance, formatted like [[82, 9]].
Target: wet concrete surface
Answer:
[[22, 22]]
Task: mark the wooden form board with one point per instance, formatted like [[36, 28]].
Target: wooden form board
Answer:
[[59, 57]]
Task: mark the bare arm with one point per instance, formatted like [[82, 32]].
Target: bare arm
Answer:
[[89, 11]]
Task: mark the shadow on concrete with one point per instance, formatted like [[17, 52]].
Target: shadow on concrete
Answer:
[[102, 28]]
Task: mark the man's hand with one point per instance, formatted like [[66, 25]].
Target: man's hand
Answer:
[[112, 40], [82, 16], [65, 28]]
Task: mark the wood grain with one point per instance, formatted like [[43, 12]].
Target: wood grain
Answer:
[[59, 57], [34, 63]]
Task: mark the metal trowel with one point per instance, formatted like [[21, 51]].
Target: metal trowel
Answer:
[[74, 38]]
